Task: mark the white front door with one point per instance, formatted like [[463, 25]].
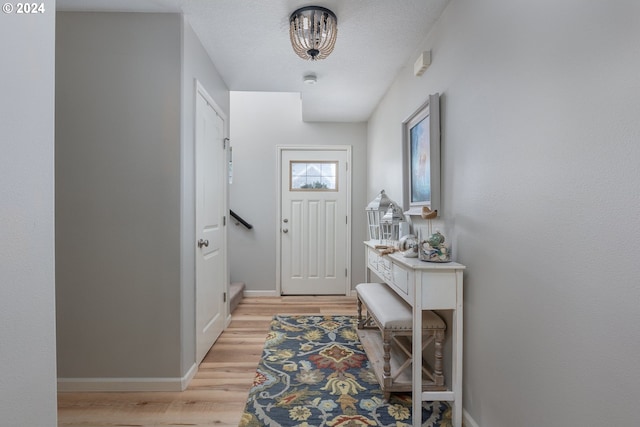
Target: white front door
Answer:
[[314, 221], [210, 231]]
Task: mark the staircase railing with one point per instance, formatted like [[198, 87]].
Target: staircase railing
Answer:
[[240, 220]]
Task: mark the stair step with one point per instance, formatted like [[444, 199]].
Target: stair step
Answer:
[[236, 291]]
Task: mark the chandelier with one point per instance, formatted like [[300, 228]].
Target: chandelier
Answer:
[[313, 31]]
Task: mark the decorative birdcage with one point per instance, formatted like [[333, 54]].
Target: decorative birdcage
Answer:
[[390, 224], [376, 209]]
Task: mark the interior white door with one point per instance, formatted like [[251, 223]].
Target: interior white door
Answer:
[[314, 237], [210, 232]]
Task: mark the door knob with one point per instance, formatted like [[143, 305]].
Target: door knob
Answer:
[[202, 243], [285, 230]]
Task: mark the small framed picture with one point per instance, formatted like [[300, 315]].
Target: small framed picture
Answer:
[[421, 152]]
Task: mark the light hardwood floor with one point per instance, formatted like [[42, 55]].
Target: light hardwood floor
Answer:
[[217, 394]]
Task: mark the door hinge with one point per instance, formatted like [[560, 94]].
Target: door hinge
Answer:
[[346, 165], [224, 220], [346, 219], [224, 143], [224, 297], [346, 273]]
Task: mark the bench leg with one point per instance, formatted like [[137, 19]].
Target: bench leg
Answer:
[[360, 318], [437, 371], [387, 380]]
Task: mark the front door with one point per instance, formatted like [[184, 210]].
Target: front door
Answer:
[[210, 234], [314, 221]]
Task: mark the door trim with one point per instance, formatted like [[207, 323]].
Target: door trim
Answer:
[[347, 183]]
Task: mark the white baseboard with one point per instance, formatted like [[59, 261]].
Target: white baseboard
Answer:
[[276, 294], [467, 421], [186, 379], [260, 293], [126, 384], [227, 321]]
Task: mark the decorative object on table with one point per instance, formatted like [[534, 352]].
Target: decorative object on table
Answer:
[[314, 372], [387, 250], [432, 247], [421, 153], [408, 245], [313, 31], [427, 213], [390, 224], [375, 211]]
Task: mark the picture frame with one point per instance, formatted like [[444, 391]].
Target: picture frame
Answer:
[[421, 157]]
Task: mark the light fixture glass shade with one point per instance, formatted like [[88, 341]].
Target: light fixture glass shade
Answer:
[[313, 31]]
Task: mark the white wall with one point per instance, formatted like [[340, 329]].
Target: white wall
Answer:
[[118, 85], [27, 305], [540, 105], [259, 123]]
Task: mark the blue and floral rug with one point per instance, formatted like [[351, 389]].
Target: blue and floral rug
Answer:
[[314, 372]]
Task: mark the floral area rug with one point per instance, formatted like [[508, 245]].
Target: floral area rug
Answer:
[[314, 372]]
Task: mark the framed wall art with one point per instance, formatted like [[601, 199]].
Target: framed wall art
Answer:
[[421, 157]]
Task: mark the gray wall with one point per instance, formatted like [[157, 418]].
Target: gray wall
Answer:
[[259, 123], [27, 305], [118, 83], [126, 285], [540, 105]]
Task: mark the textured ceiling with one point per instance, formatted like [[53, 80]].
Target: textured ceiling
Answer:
[[248, 41]]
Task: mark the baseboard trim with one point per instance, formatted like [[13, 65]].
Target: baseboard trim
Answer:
[[186, 379], [467, 421], [127, 384], [260, 293], [352, 292]]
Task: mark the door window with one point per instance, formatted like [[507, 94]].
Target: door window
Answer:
[[313, 176]]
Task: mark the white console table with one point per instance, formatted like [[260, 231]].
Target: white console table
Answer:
[[426, 286]]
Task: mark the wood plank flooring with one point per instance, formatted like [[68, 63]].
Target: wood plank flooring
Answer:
[[217, 394]]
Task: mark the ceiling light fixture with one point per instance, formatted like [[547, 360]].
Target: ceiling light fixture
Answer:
[[313, 31]]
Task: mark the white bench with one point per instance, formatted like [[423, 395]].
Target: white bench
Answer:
[[392, 317]]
